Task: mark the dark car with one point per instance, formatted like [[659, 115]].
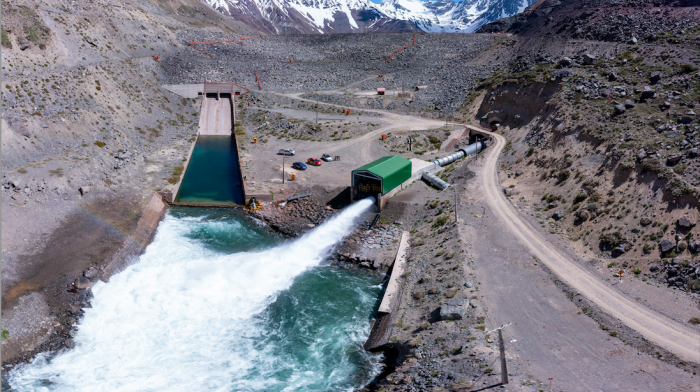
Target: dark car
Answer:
[[314, 161], [298, 166]]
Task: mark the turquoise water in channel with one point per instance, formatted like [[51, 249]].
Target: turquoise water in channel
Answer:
[[213, 173], [217, 303]]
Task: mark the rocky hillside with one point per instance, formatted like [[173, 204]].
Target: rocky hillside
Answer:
[[601, 20], [87, 134], [603, 146]]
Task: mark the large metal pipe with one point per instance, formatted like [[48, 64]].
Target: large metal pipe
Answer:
[[435, 181], [462, 152]]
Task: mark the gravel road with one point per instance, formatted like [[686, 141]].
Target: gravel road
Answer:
[[663, 331]]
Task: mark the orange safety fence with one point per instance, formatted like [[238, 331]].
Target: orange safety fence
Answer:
[[407, 46], [192, 43], [256, 77]]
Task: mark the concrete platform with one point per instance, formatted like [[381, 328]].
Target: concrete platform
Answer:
[[185, 90]]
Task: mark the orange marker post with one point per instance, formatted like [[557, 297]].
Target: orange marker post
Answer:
[[383, 136]]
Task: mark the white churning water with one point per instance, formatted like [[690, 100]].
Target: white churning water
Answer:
[[188, 317]]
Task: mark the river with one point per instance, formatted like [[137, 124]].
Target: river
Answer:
[[217, 303]]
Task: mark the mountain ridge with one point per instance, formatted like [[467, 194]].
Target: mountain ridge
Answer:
[[363, 16]]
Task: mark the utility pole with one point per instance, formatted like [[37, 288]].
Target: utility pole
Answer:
[[317, 115], [504, 369], [283, 156], [456, 206]]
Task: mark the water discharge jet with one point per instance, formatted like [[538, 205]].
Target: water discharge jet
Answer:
[[191, 315]]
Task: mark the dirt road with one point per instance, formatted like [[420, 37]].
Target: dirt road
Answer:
[[657, 328]]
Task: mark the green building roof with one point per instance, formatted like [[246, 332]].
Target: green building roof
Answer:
[[393, 170]]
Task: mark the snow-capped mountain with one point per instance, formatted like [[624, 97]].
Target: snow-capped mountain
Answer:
[[359, 16], [311, 16], [439, 16]]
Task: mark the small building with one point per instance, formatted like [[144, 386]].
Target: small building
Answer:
[[381, 178], [381, 90]]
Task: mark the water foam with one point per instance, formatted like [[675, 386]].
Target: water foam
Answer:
[[188, 317]]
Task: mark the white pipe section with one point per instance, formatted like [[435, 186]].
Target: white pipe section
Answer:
[[435, 181], [462, 152]]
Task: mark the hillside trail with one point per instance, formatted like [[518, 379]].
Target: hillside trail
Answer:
[[655, 327]]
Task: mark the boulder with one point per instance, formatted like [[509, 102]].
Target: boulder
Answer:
[[91, 272], [83, 283], [648, 92], [565, 61], [693, 152], [665, 106], [629, 104], [632, 41], [620, 249], [641, 154], [582, 215], [619, 109], [588, 59], [557, 215], [468, 285], [84, 190], [612, 76], [666, 245], [454, 309], [694, 246], [655, 77], [70, 344], [674, 158], [23, 47], [685, 222]]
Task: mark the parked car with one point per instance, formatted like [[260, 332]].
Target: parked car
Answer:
[[286, 151], [298, 166], [314, 161], [326, 157]]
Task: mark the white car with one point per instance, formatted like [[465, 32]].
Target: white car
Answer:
[[326, 157], [286, 151]]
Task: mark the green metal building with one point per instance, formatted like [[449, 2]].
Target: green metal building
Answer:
[[380, 177]]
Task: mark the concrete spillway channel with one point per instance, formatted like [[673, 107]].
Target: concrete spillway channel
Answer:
[[378, 339], [213, 175]]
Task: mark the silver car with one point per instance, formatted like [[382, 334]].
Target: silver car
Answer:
[[286, 151]]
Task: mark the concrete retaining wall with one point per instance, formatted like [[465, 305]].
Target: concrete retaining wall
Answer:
[[388, 309]]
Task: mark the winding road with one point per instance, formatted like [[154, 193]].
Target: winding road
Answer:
[[655, 327]]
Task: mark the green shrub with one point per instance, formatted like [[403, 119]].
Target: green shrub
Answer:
[[6, 40], [441, 221], [580, 197], [99, 143], [688, 68]]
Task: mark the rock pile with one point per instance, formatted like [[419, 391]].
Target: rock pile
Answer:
[[683, 275], [294, 217]]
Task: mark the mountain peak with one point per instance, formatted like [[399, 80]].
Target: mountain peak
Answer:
[[343, 16]]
